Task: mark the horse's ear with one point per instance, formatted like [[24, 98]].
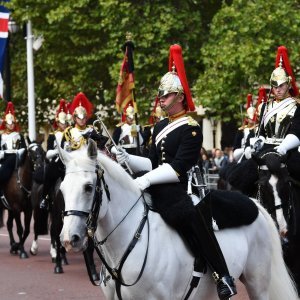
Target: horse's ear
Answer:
[[92, 149], [64, 155]]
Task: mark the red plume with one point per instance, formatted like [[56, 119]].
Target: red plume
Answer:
[[283, 52], [249, 101], [9, 109], [151, 118], [61, 107], [262, 98], [81, 100], [176, 58]]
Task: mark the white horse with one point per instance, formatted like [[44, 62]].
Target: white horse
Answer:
[[160, 257]]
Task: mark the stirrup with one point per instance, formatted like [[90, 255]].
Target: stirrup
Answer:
[[226, 287]]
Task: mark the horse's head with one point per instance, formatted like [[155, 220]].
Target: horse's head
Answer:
[[78, 190], [36, 154]]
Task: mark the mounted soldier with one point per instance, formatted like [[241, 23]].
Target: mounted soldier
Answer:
[[127, 134], [175, 149], [12, 143], [279, 125], [55, 168], [156, 116]]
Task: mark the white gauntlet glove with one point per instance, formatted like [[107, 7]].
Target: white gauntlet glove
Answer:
[[121, 155], [248, 152], [136, 163], [163, 174], [51, 153], [289, 142]]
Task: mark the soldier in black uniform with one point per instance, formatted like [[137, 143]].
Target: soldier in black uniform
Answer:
[[54, 168], [127, 133], [76, 136], [280, 118], [176, 144]]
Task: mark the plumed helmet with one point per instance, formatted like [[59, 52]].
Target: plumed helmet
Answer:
[[129, 111], [283, 72], [250, 109], [262, 98], [61, 112], [81, 107], [158, 112], [9, 117], [175, 80]]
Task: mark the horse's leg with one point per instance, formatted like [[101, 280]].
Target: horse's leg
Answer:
[[27, 221], [58, 265], [9, 225], [35, 246], [20, 232], [63, 252]]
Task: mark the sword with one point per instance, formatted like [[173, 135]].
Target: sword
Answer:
[[110, 137]]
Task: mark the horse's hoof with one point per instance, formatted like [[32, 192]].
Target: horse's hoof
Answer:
[[13, 251], [23, 255], [64, 261], [95, 277], [14, 247], [58, 270], [33, 252]]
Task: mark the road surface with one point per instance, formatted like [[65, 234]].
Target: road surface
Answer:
[[34, 278]]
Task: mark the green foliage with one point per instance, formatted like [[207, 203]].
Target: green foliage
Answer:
[[82, 49], [241, 49]]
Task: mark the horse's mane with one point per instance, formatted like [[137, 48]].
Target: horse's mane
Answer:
[[116, 172]]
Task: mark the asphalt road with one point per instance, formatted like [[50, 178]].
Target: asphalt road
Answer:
[[34, 278]]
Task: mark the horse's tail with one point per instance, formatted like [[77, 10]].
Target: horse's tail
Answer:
[[281, 284]]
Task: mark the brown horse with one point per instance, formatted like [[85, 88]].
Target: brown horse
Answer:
[[17, 191]]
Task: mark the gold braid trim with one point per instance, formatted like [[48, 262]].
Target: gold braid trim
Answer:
[[74, 145]]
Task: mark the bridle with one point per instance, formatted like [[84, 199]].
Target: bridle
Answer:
[[92, 217]]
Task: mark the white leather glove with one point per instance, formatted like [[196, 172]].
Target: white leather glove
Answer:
[[289, 142], [257, 142], [51, 153], [136, 163], [163, 174], [2, 153], [248, 152], [121, 155], [237, 154]]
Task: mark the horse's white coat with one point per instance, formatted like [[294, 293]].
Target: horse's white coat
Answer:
[[253, 253]]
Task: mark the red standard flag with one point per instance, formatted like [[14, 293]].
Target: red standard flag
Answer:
[[126, 79]]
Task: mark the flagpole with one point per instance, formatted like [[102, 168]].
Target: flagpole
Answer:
[[138, 150]]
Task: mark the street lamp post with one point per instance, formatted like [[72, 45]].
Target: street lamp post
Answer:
[[30, 83]]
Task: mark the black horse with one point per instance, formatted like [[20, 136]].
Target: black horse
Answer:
[[280, 194], [42, 218], [56, 209], [16, 197]]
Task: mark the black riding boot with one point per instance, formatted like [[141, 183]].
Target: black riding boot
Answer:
[[201, 239]]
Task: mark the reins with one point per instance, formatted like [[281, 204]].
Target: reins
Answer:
[[92, 217]]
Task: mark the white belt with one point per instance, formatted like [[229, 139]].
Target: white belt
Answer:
[[273, 141], [128, 146]]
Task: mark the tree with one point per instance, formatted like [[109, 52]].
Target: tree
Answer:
[[241, 50], [82, 48]]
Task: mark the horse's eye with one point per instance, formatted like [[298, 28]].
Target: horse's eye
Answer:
[[88, 188]]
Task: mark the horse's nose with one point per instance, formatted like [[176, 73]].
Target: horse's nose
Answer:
[[75, 238]]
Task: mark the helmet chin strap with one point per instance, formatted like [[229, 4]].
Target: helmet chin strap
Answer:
[[174, 101]]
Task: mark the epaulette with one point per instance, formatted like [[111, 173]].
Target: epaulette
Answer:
[[120, 124], [192, 121], [148, 125], [297, 100]]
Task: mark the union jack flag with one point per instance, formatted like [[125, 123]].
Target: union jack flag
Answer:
[[4, 17]]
